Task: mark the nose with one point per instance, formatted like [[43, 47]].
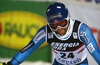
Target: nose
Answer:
[[59, 27]]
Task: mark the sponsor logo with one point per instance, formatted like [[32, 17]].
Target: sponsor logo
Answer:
[[27, 47], [90, 47], [68, 62], [83, 34], [75, 36], [91, 1], [55, 16], [55, 21], [38, 36], [50, 35], [19, 28], [63, 46]]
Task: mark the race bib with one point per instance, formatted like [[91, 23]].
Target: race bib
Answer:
[[71, 57]]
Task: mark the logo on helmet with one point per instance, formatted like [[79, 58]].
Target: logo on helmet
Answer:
[[55, 21], [55, 16]]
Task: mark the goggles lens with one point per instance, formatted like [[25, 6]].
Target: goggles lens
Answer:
[[61, 23]]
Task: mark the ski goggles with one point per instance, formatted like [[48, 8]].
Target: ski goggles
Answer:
[[62, 24]]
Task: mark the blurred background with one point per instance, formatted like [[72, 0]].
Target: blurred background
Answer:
[[21, 19]]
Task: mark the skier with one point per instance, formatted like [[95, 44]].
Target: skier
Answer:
[[69, 38]]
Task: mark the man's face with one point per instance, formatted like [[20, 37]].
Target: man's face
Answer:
[[61, 31]]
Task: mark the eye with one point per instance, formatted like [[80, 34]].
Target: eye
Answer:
[[63, 23]]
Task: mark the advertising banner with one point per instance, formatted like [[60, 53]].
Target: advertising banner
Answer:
[[19, 22]]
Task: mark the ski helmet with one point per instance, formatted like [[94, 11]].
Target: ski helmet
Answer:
[[57, 12]]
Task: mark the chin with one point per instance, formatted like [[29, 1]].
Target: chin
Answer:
[[61, 33]]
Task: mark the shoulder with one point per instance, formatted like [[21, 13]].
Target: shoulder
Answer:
[[42, 29], [75, 21], [81, 24], [83, 27]]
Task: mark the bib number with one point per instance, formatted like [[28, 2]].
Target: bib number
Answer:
[[70, 55]]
